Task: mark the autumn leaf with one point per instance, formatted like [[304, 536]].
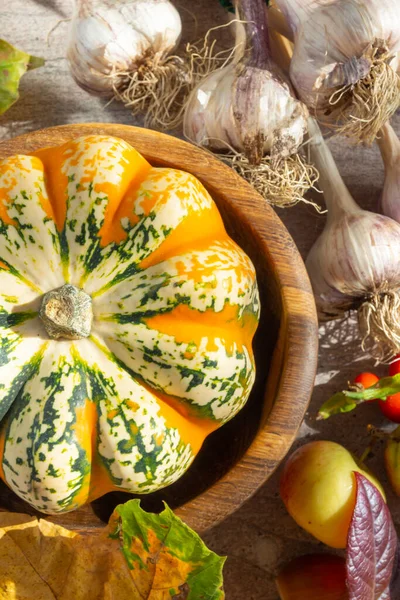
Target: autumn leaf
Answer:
[[168, 554], [138, 556], [13, 64]]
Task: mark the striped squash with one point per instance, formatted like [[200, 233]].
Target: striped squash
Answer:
[[126, 322]]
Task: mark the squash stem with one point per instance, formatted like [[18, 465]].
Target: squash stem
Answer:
[[66, 313]]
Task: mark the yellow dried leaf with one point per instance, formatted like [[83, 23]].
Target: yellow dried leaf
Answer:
[[138, 556]]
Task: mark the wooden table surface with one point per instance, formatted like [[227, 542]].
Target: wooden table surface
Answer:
[[261, 536]]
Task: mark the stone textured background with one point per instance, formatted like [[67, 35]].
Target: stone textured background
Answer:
[[261, 536]]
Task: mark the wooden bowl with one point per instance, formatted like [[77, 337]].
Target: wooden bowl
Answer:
[[238, 458]]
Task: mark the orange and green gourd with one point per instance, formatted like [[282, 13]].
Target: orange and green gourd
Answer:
[[126, 323]]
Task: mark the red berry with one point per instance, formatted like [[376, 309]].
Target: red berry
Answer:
[[366, 379], [394, 367], [391, 407]]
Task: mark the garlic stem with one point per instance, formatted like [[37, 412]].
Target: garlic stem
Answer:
[[389, 145], [337, 197], [254, 17]]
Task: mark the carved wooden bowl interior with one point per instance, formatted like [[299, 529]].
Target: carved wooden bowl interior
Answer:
[[238, 458]]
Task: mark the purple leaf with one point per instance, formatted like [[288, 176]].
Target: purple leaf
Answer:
[[371, 545], [395, 583]]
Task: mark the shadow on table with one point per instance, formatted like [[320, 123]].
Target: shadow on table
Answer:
[[52, 6]]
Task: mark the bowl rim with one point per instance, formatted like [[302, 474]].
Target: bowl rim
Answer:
[[296, 351]]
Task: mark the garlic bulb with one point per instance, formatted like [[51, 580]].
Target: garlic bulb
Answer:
[[248, 104], [346, 61], [355, 264], [247, 110], [110, 38], [389, 145]]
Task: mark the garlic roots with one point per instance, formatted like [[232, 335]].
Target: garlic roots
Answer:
[[247, 113], [127, 49], [355, 264], [346, 62], [389, 145]]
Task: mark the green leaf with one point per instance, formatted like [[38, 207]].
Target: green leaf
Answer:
[[165, 556], [13, 64], [348, 400]]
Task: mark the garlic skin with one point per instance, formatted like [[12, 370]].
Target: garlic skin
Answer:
[[206, 120], [342, 272], [248, 109], [107, 39], [389, 145], [247, 106], [334, 46]]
